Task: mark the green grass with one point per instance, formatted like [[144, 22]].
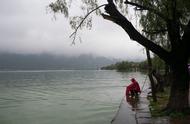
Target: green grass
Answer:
[[157, 107]]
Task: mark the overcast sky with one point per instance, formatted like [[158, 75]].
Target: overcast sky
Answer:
[[26, 27]]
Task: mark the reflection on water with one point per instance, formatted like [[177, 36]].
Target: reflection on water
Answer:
[[133, 101], [61, 97]]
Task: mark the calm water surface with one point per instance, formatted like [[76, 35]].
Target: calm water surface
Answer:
[[62, 97]]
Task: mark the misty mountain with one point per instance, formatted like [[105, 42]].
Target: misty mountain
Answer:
[[44, 61]]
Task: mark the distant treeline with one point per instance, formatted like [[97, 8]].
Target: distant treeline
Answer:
[[134, 66], [49, 62]]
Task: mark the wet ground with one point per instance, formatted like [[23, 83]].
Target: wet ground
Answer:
[[139, 113]]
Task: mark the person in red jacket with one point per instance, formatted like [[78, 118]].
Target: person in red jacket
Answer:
[[133, 89]]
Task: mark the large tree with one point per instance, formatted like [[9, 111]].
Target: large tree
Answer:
[[162, 20]]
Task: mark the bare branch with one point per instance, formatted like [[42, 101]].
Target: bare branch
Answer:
[[137, 5], [75, 32], [107, 17]]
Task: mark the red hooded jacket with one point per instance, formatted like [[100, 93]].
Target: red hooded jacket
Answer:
[[134, 86]]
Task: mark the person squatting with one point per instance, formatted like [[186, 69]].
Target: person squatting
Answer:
[[133, 89]]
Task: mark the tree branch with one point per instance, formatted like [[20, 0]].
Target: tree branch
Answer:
[[142, 7], [80, 24], [116, 17], [107, 17]]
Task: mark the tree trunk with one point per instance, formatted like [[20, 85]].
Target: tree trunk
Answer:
[[167, 75], [179, 94], [153, 89]]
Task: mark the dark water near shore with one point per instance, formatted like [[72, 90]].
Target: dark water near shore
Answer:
[[62, 97]]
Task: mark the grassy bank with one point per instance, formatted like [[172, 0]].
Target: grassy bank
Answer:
[[157, 107]]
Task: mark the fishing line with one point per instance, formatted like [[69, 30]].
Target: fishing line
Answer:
[[144, 83], [118, 110]]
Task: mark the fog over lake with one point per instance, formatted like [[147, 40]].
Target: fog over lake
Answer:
[[26, 27]]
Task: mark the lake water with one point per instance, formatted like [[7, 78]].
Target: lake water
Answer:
[[62, 96]]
